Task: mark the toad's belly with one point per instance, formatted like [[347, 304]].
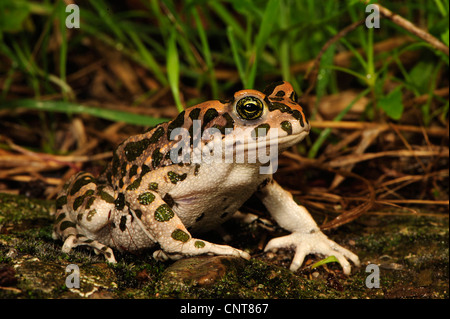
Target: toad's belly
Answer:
[[208, 200], [201, 213]]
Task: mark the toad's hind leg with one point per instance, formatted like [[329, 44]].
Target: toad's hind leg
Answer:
[[82, 211], [157, 219]]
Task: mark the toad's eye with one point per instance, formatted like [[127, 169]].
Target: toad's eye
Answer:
[[250, 108]]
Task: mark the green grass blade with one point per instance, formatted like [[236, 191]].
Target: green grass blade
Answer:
[[73, 108], [63, 48], [7, 83], [329, 259], [27, 65], [148, 58], [349, 46], [349, 71], [441, 8], [285, 42], [173, 68], [237, 59], [206, 53], [370, 71], [185, 40], [269, 18], [323, 76], [106, 17], [227, 18]]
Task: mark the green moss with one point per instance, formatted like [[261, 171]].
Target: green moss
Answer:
[[412, 252], [20, 208]]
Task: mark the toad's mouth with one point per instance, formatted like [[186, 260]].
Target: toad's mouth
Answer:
[[272, 142]]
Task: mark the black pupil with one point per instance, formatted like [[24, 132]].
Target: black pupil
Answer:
[[251, 107]]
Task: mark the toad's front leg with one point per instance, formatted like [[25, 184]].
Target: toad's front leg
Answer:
[[159, 222], [306, 236]]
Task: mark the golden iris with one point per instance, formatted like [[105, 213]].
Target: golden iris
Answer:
[[249, 108]]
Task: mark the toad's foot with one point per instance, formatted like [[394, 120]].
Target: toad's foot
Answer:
[[315, 243], [202, 248], [72, 241]]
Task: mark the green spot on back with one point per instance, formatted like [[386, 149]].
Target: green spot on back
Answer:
[[180, 235], [175, 178], [123, 169], [153, 186], [294, 97], [164, 213], [146, 198]]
